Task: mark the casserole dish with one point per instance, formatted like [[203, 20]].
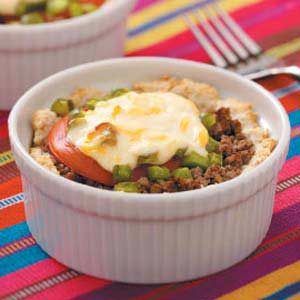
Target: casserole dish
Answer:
[[29, 53], [148, 238]]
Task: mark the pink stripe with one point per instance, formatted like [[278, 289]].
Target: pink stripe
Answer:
[[71, 288], [287, 198], [187, 47], [29, 275], [144, 3], [287, 19], [290, 168]]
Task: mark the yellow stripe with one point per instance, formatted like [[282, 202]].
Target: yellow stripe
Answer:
[[155, 11], [266, 285], [171, 28], [285, 49], [5, 158]]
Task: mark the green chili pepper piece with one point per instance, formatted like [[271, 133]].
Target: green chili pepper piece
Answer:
[[208, 120], [194, 159], [75, 9], [215, 159], [182, 173], [156, 173], [56, 7], [91, 103], [129, 187], [121, 173], [180, 152], [212, 145], [62, 106], [28, 7]]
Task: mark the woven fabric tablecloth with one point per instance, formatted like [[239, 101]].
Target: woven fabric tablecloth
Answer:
[[271, 272]]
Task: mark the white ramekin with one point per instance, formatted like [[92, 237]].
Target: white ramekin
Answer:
[[30, 53], [152, 238]]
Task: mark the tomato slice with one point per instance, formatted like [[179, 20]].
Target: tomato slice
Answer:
[[71, 156]]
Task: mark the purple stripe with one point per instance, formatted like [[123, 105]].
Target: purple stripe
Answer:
[[242, 274], [284, 220], [281, 221], [117, 291], [143, 3]]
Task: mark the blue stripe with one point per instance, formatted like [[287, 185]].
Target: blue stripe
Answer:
[[13, 233], [12, 200], [294, 87], [162, 19], [286, 292], [294, 147], [21, 259], [294, 117]]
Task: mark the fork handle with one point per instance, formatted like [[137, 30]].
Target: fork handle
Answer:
[[292, 70]]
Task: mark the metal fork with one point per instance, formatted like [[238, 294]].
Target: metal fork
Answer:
[[227, 44]]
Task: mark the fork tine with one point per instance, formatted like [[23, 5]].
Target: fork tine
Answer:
[[217, 59], [228, 36], [223, 48], [248, 42]]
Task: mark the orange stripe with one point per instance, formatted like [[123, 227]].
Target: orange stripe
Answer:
[[10, 187], [276, 82], [291, 101], [3, 131], [295, 132], [12, 215]]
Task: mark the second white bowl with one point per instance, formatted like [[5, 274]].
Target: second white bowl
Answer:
[[29, 53]]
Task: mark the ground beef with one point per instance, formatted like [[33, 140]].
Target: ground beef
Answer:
[[196, 172], [235, 148], [224, 124]]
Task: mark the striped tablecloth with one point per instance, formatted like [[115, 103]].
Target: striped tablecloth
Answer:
[[271, 272]]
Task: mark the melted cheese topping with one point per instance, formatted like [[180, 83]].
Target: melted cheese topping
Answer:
[[120, 130]]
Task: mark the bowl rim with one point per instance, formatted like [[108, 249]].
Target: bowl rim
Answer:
[[107, 8], [244, 178]]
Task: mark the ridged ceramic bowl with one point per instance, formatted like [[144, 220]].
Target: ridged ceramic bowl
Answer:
[[148, 238], [29, 53]]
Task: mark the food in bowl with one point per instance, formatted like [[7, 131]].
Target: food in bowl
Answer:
[[184, 235], [166, 135], [43, 11]]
